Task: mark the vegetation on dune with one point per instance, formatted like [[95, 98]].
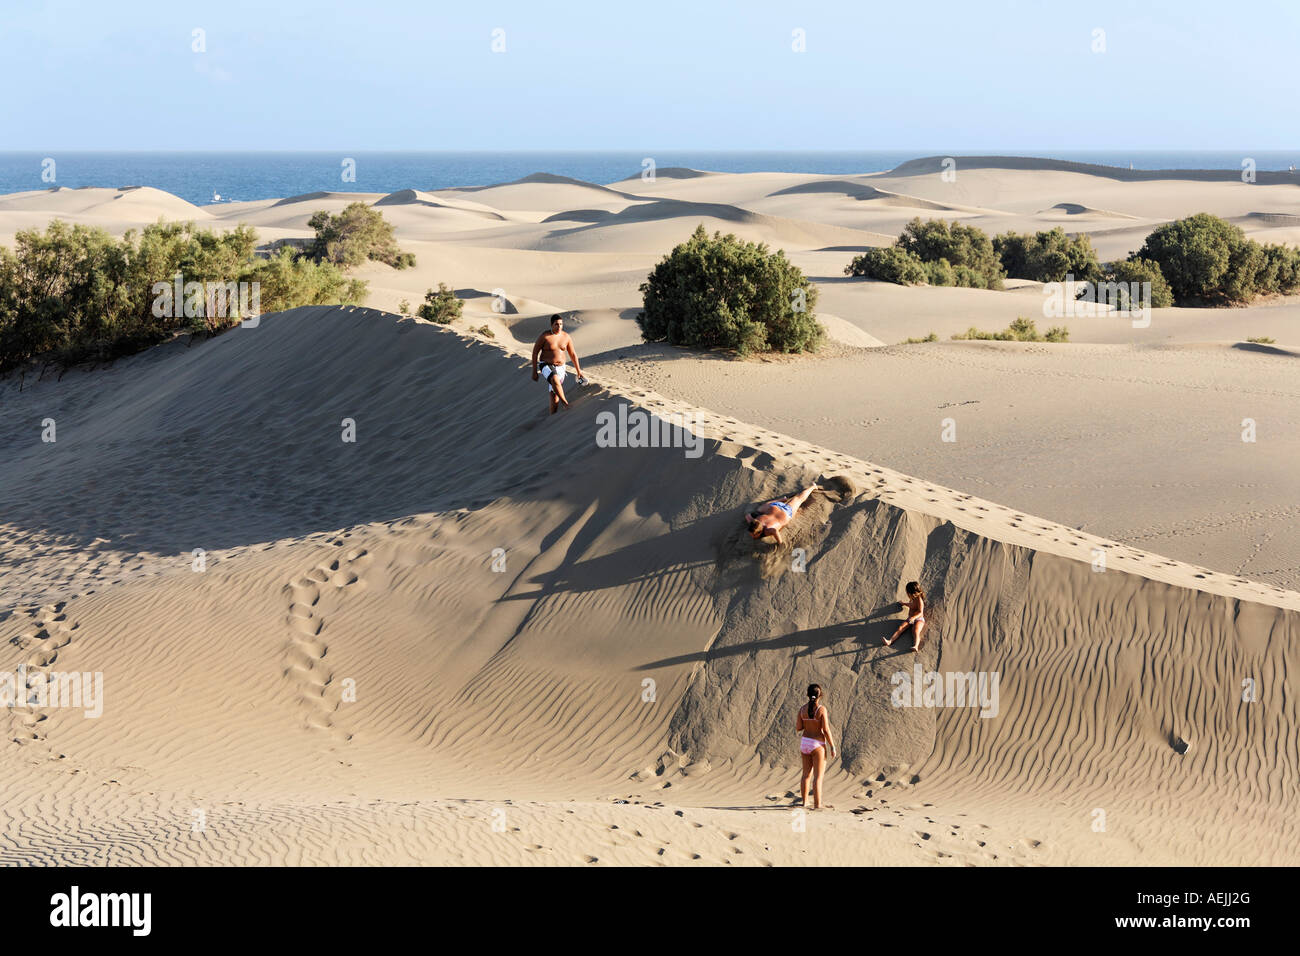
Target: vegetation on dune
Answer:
[[1124, 273], [1048, 256], [441, 306], [1021, 330], [721, 292], [1200, 260], [935, 253], [888, 264], [1208, 261], [354, 236], [75, 293]]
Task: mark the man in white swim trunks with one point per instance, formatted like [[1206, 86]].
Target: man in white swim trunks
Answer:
[[551, 347]]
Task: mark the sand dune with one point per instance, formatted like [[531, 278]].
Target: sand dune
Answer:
[[518, 695], [671, 172], [625, 230], [543, 191], [501, 716], [1078, 209], [416, 197], [128, 203], [935, 164], [865, 193]]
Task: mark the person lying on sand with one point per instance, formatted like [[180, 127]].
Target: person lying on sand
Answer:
[[775, 515], [813, 724], [915, 606], [552, 347]]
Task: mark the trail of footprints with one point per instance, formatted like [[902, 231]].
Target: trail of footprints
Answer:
[[305, 657], [48, 632]]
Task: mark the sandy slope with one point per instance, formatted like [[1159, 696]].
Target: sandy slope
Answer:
[[500, 716], [515, 698]]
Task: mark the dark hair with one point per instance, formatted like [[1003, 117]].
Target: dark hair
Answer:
[[914, 588], [814, 691], [556, 318], [753, 525]]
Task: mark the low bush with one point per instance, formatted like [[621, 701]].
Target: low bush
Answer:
[[722, 292]]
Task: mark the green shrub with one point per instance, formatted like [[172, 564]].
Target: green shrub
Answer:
[[1209, 261], [1281, 271], [964, 247], [936, 253], [932, 337], [1048, 256], [289, 280], [939, 273], [441, 306], [888, 264], [1021, 330], [1261, 340], [1127, 271], [74, 293], [722, 292], [404, 307], [355, 235]]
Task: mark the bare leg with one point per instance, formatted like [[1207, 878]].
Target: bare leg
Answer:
[[803, 781], [796, 501], [555, 402], [819, 764], [558, 388], [901, 628], [920, 626]]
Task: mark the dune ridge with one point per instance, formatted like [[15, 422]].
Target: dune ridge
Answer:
[[934, 164]]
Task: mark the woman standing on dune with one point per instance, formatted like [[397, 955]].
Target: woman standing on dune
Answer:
[[814, 728]]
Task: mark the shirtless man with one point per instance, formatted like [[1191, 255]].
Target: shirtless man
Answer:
[[775, 515], [552, 346]]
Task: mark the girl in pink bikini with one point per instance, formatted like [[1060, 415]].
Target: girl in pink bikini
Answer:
[[814, 728]]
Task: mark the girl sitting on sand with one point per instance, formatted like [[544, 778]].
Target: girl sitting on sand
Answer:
[[915, 606], [813, 724]]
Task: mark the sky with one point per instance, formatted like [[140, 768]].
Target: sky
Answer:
[[710, 74]]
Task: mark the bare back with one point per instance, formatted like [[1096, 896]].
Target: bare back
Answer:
[[812, 726]]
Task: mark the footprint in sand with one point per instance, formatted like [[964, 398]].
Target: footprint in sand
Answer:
[[305, 664], [48, 632]]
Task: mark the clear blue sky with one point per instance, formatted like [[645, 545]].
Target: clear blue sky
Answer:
[[707, 74]]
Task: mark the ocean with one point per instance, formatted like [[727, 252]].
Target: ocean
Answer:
[[238, 176]]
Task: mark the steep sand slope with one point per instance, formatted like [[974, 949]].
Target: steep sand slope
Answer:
[[512, 681]]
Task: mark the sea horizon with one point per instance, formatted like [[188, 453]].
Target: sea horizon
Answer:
[[234, 175]]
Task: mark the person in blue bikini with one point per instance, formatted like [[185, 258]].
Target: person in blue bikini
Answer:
[[775, 515]]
